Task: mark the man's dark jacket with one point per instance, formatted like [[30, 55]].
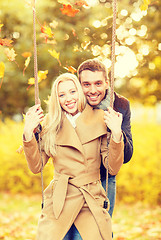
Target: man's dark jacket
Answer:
[[121, 104]]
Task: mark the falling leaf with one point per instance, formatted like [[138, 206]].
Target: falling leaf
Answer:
[[69, 10], [27, 61], [74, 33], [47, 101], [26, 54], [53, 24], [81, 3], [42, 75], [64, 2], [2, 67], [5, 42], [1, 25], [70, 69], [55, 54], [145, 5], [46, 30], [10, 54], [19, 150]]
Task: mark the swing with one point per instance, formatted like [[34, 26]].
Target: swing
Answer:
[[39, 128]]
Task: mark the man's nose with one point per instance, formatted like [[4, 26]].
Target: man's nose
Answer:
[[93, 89]]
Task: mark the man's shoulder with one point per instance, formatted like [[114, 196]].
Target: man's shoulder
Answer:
[[120, 102]]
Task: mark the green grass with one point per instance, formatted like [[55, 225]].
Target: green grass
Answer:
[[19, 215]]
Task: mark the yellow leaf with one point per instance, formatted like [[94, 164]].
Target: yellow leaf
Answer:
[[20, 149], [42, 75], [27, 61], [2, 67], [66, 2], [54, 54], [10, 54]]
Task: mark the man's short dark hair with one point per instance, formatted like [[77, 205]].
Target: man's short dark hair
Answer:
[[92, 65]]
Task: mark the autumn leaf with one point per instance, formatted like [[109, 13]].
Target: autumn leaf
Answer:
[[46, 30], [1, 25], [69, 10], [70, 69], [5, 42], [26, 54], [2, 68], [145, 5], [10, 54], [27, 61], [81, 3], [64, 2], [55, 54], [53, 24], [42, 75], [20, 149]]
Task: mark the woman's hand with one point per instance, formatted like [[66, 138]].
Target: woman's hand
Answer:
[[113, 121], [32, 119]]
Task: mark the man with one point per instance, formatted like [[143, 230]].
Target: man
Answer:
[[92, 75]]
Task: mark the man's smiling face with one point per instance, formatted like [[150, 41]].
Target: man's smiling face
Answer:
[[94, 86]]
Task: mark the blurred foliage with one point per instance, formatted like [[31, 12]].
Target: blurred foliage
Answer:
[[76, 39], [138, 180]]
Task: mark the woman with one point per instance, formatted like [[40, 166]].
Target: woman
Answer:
[[75, 136]]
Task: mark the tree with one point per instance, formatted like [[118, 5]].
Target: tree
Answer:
[[85, 35]]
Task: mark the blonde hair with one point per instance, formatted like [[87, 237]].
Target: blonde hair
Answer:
[[55, 115]]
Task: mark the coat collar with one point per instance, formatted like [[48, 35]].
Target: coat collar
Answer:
[[89, 126]]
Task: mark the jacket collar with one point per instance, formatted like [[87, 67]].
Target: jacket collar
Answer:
[[89, 126]]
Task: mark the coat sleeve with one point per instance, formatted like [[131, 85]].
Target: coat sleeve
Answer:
[[126, 129], [114, 156], [33, 155]]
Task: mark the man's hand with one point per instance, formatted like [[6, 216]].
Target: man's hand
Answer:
[[113, 121]]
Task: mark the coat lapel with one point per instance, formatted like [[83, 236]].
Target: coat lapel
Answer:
[[89, 126], [67, 136]]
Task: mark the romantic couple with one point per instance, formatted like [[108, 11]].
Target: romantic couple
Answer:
[[74, 135]]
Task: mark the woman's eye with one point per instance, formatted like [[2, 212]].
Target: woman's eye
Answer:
[[73, 91], [61, 95]]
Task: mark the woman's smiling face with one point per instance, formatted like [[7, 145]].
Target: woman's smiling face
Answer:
[[68, 96]]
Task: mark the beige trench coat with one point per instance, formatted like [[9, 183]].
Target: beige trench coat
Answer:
[[75, 195]]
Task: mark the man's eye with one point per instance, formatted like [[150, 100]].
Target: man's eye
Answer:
[[86, 84], [98, 84]]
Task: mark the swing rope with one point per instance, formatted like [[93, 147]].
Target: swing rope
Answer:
[[37, 100], [114, 6]]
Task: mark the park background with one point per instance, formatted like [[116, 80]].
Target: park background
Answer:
[[65, 38]]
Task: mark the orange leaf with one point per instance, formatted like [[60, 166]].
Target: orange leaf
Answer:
[[69, 11], [10, 54], [26, 54], [5, 42], [81, 3], [71, 69]]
